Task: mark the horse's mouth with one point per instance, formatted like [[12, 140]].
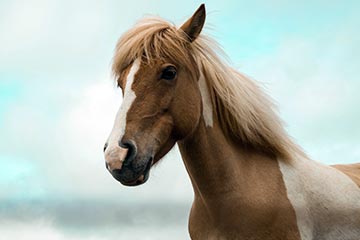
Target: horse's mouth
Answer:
[[142, 177]]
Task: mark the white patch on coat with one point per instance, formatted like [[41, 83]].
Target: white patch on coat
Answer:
[[207, 110], [119, 127], [325, 200]]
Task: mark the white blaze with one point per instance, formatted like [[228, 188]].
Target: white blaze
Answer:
[[206, 101], [118, 130]]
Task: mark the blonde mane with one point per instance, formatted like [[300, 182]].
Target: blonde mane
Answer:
[[244, 111]]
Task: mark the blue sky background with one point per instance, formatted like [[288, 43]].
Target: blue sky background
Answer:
[[58, 103]]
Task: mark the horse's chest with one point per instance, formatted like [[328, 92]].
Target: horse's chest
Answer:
[[255, 223]]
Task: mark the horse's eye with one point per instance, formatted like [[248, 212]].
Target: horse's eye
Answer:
[[169, 73]]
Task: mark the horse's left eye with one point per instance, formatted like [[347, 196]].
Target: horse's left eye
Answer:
[[169, 73]]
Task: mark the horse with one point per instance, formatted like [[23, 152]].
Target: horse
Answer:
[[250, 180]]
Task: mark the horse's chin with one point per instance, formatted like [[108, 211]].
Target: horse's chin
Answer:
[[144, 176], [141, 180]]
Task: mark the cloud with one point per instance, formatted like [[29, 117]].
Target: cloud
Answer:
[[66, 149], [60, 52], [52, 41], [313, 82]]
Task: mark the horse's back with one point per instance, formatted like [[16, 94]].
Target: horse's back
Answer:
[[352, 170]]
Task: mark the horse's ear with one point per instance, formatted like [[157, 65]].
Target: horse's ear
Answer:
[[192, 27]]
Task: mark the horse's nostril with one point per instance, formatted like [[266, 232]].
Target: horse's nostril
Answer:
[[131, 151], [105, 146]]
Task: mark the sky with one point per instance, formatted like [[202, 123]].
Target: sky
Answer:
[[58, 103]]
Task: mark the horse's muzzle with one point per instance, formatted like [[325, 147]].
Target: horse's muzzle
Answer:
[[126, 165]]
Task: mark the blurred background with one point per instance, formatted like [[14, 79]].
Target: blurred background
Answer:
[[58, 103]]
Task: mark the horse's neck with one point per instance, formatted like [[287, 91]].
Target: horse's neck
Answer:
[[209, 159], [217, 165], [230, 181]]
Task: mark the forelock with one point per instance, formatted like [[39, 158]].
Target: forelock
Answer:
[[152, 38]]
